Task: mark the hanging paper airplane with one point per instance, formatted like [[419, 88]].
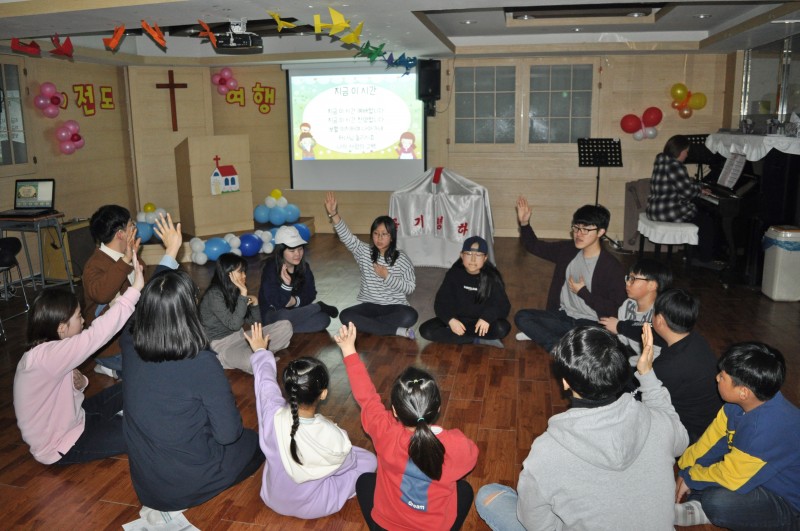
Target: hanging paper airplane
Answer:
[[155, 33], [207, 33], [281, 23], [355, 36], [113, 42], [64, 48], [406, 62], [338, 23], [31, 49], [372, 53]]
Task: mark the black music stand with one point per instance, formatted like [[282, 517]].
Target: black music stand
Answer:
[[599, 153]]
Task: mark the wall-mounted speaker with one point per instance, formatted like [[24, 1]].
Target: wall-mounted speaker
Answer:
[[429, 80]]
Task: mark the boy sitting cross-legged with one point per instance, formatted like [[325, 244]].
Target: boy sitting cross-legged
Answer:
[[744, 472]]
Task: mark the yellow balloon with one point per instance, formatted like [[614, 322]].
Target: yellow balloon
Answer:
[[149, 207], [678, 91], [697, 101], [276, 194]]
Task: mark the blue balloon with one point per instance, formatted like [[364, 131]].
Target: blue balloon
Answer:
[[250, 244], [304, 231], [216, 247], [277, 216], [274, 231], [292, 213], [261, 213], [144, 231]]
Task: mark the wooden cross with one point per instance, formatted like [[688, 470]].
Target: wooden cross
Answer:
[[217, 159], [172, 86]]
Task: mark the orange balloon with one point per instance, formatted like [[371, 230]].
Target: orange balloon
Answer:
[[685, 113]]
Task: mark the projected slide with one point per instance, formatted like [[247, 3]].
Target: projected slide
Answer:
[[355, 117]]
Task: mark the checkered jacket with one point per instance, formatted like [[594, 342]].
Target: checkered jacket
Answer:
[[671, 191]]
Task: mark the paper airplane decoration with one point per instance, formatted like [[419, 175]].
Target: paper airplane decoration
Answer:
[[30, 49], [406, 62], [355, 36], [281, 23], [373, 53], [207, 33], [112, 43], [338, 23], [155, 33], [61, 48]]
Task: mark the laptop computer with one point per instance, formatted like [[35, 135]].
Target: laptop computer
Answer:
[[32, 198]]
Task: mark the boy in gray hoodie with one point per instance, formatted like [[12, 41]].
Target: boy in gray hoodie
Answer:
[[603, 456]]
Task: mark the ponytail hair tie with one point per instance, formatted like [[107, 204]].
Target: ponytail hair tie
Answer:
[[421, 419]]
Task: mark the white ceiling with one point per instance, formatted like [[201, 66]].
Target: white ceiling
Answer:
[[424, 28]]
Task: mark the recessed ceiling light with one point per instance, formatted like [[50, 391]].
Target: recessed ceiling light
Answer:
[[702, 16], [792, 21], [523, 17], [637, 14], [576, 30], [468, 22]]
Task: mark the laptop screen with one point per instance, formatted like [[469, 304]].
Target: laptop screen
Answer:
[[31, 193]]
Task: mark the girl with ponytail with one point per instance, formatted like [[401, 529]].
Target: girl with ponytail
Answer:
[[311, 468], [420, 482]]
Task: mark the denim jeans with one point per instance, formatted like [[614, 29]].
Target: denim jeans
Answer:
[[758, 510], [500, 514], [547, 327], [102, 432]]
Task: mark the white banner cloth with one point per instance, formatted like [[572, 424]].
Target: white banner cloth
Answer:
[[436, 213]]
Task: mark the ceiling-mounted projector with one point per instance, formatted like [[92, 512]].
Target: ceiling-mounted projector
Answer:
[[238, 39]]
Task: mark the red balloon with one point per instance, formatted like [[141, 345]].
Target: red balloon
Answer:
[[630, 123], [652, 117], [222, 81], [75, 137], [55, 100]]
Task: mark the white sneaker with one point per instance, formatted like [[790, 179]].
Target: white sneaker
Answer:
[[99, 369], [155, 517], [521, 336], [690, 513]]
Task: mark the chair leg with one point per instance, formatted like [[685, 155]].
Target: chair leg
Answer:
[[641, 245], [658, 250], [22, 287]]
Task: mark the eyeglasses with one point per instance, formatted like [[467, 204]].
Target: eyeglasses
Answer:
[[473, 254], [582, 230], [630, 279]]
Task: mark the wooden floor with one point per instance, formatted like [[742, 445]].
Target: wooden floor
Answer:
[[500, 398]]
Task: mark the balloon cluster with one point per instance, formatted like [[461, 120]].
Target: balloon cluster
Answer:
[[685, 102], [48, 100], [248, 244], [644, 127], [146, 219], [69, 140], [276, 210], [224, 81]]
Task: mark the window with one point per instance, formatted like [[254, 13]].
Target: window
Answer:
[[13, 144], [560, 103], [485, 110]]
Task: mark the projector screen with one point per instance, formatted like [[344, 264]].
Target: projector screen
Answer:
[[355, 128]]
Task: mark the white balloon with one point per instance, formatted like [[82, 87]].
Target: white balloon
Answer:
[[141, 217], [638, 135], [199, 258], [282, 202], [161, 212], [197, 245], [150, 217], [258, 232], [235, 242], [651, 132], [267, 248], [237, 252], [266, 236], [228, 237], [270, 202]]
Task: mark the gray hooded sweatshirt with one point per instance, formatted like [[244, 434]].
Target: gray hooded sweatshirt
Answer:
[[609, 467]]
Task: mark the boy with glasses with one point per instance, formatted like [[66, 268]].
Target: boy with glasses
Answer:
[[645, 280], [587, 282]]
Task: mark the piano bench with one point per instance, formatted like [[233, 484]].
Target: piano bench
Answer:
[[666, 233]]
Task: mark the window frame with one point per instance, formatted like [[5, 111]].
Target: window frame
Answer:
[[29, 167]]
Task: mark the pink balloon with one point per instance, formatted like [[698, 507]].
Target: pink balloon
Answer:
[[51, 111], [63, 134], [222, 89], [72, 125], [41, 101], [215, 79], [232, 84], [67, 147], [226, 72], [47, 89], [79, 143]]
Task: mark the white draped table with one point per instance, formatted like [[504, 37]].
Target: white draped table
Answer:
[[753, 147]]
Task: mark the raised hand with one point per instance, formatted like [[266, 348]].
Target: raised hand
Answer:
[[331, 205], [170, 234], [131, 243], [645, 362], [346, 339], [257, 339], [138, 279], [523, 211]]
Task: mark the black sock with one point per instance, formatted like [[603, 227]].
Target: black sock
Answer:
[[328, 309]]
